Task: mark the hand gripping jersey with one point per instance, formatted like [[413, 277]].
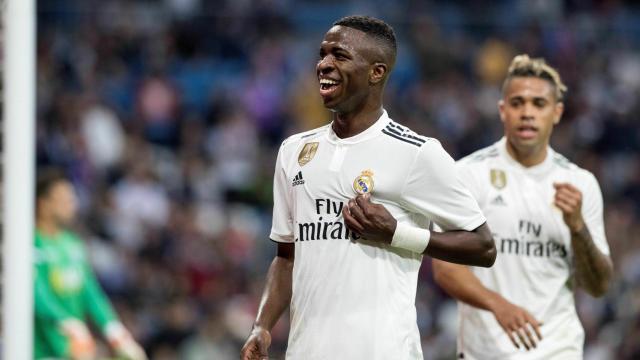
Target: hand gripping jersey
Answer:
[[355, 299], [533, 268]]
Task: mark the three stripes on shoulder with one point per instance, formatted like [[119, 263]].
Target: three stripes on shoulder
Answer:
[[403, 134]]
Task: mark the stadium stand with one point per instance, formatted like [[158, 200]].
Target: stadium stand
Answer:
[[168, 115]]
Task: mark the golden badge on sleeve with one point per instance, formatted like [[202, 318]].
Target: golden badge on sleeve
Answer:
[[307, 153], [498, 178]]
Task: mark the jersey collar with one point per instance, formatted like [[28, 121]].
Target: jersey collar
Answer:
[[372, 131], [539, 169]]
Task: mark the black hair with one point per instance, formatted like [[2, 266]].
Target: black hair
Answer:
[[46, 179], [373, 27]]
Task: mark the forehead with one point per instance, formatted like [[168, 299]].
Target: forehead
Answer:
[[529, 87], [61, 188], [345, 37]]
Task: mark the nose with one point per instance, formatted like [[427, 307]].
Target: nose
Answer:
[[325, 65], [527, 111]]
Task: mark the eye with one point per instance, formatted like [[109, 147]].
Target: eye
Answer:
[[339, 55], [515, 103], [540, 103]]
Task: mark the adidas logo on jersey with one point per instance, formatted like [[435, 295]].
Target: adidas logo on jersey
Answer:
[[498, 201], [298, 180]]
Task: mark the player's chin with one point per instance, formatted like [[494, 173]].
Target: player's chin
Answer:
[[66, 220], [525, 141], [332, 105], [333, 101]]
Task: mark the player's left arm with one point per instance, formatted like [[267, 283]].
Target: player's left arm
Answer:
[[374, 222], [583, 216], [103, 315], [433, 187], [95, 300]]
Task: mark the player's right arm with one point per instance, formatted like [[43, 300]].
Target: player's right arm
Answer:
[[275, 300], [277, 292], [460, 283]]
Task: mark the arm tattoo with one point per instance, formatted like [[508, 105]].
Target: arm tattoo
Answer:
[[593, 268]]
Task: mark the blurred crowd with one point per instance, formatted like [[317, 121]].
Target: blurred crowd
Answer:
[[167, 115]]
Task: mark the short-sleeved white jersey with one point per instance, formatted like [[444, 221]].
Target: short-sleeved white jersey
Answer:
[[355, 299], [533, 268]]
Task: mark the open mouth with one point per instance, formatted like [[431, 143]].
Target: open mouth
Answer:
[[328, 86], [527, 132]]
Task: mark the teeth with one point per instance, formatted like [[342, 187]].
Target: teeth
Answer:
[[327, 82]]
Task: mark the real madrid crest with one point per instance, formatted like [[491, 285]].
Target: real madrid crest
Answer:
[[307, 153], [364, 182], [498, 178]]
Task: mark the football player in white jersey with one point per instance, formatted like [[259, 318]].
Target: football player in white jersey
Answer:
[[350, 283], [546, 217]]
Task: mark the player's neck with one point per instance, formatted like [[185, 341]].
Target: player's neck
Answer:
[[346, 125], [528, 157], [47, 227]]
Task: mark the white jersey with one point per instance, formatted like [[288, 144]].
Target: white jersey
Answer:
[[355, 299], [534, 267]]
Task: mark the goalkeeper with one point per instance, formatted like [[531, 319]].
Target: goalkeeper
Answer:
[[66, 290]]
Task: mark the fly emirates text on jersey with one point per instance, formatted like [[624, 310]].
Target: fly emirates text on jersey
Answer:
[[329, 226], [530, 242]]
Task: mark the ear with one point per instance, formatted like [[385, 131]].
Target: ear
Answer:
[[377, 72], [501, 109], [559, 109]]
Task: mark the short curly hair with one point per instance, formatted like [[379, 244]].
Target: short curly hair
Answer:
[[524, 66], [373, 27]]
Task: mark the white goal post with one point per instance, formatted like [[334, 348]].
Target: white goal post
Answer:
[[18, 168]]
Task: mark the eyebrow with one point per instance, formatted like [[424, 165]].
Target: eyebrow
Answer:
[[521, 97], [332, 48]]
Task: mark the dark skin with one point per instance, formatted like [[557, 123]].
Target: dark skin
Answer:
[[374, 222], [275, 300], [529, 103], [360, 66], [357, 67], [363, 73]]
